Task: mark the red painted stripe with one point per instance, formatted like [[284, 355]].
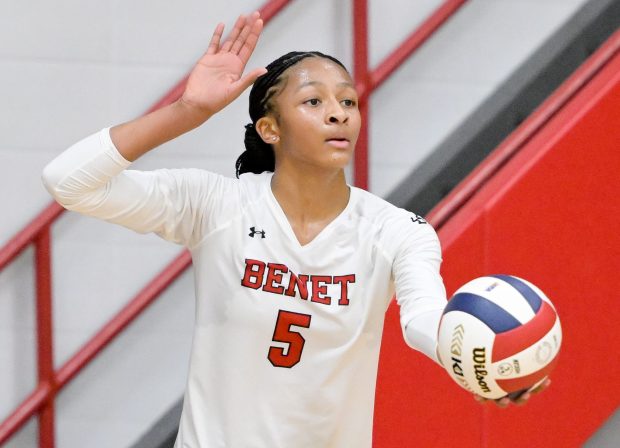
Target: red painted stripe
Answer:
[[514, 341], [527, 381]]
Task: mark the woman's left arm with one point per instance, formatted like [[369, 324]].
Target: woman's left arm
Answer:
[[421, 295], [420, 291]]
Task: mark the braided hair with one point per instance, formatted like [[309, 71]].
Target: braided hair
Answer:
[[258, 155]]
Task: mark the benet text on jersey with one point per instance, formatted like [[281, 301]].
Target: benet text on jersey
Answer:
[[277, 278]]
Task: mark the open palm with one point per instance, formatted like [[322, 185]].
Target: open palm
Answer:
[[217, 79]]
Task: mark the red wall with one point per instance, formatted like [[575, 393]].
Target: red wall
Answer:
[[552, 216]]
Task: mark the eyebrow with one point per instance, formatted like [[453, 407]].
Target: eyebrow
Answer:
[[319, 83]]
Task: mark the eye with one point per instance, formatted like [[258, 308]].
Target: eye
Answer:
[[348, 102], [313, 102]]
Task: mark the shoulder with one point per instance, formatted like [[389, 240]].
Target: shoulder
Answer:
[[395, 228], [254, 187], [256, 182], [384, 214], [208, 182]]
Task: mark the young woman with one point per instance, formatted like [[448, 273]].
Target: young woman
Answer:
[[294, 269]]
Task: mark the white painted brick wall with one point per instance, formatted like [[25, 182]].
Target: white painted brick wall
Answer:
[[69, 67]]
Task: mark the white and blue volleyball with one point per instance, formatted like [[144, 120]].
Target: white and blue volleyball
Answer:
[[499, 335]]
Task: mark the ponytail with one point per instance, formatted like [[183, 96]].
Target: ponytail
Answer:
[[258, 155]]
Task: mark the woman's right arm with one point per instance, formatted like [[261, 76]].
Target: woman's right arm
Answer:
[[90, 177], [215, 82]]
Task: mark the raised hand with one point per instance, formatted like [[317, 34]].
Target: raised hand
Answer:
[[217, 79]]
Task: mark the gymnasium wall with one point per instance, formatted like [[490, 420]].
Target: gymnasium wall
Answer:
[[550, 216], [68, 68]]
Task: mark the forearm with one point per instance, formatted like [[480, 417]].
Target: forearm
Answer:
[[136, 137], [420, 291], [421, 333], [91, 178]]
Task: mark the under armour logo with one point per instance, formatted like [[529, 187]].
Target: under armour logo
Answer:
[[253, 232], [418, 220]]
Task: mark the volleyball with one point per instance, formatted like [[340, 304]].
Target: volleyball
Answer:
[[499, 335]]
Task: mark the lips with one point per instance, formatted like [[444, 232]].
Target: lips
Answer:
[[338, 142], [337, 139]]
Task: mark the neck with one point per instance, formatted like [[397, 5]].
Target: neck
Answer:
[[310, 196]]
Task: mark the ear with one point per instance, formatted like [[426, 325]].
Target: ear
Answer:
[[267, 128]]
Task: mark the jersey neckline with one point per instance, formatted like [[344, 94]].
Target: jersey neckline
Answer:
[[286, 226]]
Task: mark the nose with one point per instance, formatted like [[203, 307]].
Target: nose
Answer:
[[336, 114]]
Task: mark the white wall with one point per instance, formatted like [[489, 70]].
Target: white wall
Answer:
[[68, 68], [437, 88]]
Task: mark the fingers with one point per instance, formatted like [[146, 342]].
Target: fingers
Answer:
[[520, 400], [234, 34], [545, 384], [245, 32], [214, 45], [246, 50], [500, 402], [244, 36], [479, 399], [242, 39]]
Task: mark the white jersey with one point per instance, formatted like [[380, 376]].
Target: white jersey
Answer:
[[287, 336]]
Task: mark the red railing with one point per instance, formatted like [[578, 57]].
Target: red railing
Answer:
[[50, 382], [367, 81], [524, 133]]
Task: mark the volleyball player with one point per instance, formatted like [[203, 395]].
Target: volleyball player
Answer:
[[294, 268]]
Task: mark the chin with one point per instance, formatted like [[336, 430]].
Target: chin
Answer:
[[338, 161], [344, 158]]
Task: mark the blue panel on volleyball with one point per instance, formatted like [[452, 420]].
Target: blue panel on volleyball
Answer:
[[494, 316], [528, 293]]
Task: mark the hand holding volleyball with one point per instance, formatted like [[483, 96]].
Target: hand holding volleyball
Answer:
[[499, 336], [217, 79]]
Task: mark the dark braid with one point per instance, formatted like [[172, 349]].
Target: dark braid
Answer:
[[258, 155]]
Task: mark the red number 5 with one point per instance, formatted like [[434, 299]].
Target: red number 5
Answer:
[[294, 339]]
